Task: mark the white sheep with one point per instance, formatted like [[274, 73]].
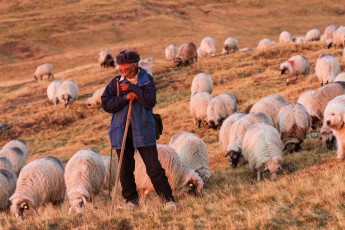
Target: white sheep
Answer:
[[40, 182], [18, 143], [338, 37], [45, 69], [105, 58], [219, 108], [299, 40], [52, 91], [146, 65], [198, 107], [200, 53], [237, 131], [95, 100], [265, 43], [8, 183], [170, 52], [186, 54], [305, 99], [328, 34], [230, 45], [68, 92], [208, 46], [285, 37], [193, 151], [5, 163], [271, 105], [262, 148], [296, 65], [182, 179], [16, 156], [293, 124], [340, 77], [202, 82], [84, 176], [110, 172], [313, 35], [327, 68]]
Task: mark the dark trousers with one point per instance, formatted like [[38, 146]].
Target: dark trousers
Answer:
[[153, 169]]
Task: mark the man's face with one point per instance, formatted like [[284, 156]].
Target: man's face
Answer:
[[127, 70]]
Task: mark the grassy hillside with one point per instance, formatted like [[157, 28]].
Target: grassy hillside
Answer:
[[70, 33]]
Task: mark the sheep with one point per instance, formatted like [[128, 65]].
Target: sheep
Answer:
[[110, 172], [40, 182], [200, 53], [313, 35], [52, 91], [338, 38], [305, 99], [202, 82], [265, 43], [16, 156], [230, 45], [328, 34], [8, 183], [326, 68], [186, 54], [146, 65], [271, 105], [285, 37], [84, 176], [344, 54], [45, 69], [198, 107], [293, 124], [208, 46], [170, 52], [237, 131], [262, 148], [224, 131], [68, 92], [219, 108], [193, 151], [296, 65], [299, 40], [5, 163], [340, 77], [182, 179], [105, 58], [18, 143], [95, 100]]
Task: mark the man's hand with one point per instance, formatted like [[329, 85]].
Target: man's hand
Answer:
[[124, 87], [131, 96]]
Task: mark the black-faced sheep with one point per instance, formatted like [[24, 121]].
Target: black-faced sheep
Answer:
[[68, 92], [230, 46], [105, 58]]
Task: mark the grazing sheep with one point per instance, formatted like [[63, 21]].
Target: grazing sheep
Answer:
[[52, 91], [199, 52], [293, 124], [8, 183], [18, 143], [84, 176], [95, 100], [340, 77], [313, 35], [262, 148], [109, 180], [16, 156], [208, 46], [328, 34], [224, 131], [45, 69], [105, 58], [198, 107], [219, 108], [182, 179], [40, 182], [68, 92], [146, 65], [170, 52], [230, 45], [265, 43], [186, 54], [202, 82], [271, 105], [285, 37], [192, 151], [5, 163], [237, 131], [296, 65], [338, 38], [299, 40], [326, 68], [305, 99]]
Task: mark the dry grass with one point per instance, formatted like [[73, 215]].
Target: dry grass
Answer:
[[309, 195]]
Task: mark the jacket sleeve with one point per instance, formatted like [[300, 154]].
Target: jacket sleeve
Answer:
[[110, 102], [146, 94]]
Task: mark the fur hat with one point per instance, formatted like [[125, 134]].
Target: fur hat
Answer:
[[127, 56]]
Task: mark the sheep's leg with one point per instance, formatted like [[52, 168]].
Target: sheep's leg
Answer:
[[199, 124], [258, 175], [93, 200]]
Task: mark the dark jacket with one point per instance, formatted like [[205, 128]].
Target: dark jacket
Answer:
[[142, 120]]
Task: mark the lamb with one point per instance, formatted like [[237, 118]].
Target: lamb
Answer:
[[202, 82], [262, 148], [45, 69], [271, 105], [293, 124], [230, 45], [68, 92], [170, 52], [340, 77], [84, 176], [52, 91], [110, 172], [208, 46], [326, 68], [296, 65], [16, 156], [265, 43], [182, 179], [105, 58], [95, 100], [313, 35], [40, 182], [192, 151], [8, 183], [219, 108], [285, 37], [198, 107], [186, 54], [305, 99], [338, 38], [328, 34], [237, 131], [5, 163]]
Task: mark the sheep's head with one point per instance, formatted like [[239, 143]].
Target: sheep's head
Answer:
[[193, 184], [55, 101], [77, 202], [177, 61], [66, 99], [284, 67], [21, 207], [234, 157], [89, 103], [273, 166]]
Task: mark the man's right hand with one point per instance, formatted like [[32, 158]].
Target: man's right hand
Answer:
[[131, 96]]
